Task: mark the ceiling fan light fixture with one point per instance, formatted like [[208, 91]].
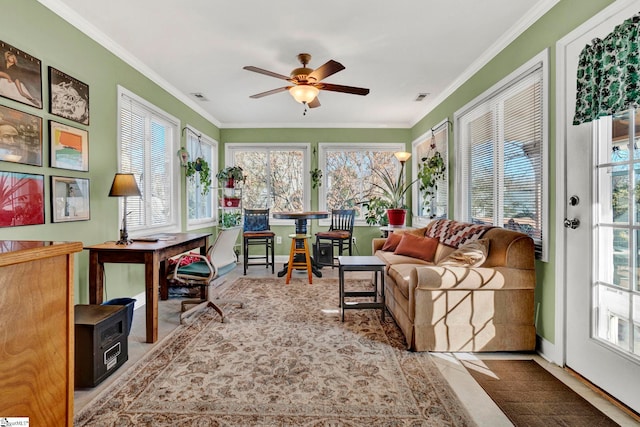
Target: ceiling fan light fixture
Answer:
[[304, 94]]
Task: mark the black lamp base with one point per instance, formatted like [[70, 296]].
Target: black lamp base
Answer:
[[124, 238]]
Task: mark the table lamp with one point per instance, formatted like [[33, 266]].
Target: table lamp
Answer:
[[124, 185]]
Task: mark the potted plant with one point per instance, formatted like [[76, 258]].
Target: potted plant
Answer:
[[231, 175], [201, 167], [390, 193]]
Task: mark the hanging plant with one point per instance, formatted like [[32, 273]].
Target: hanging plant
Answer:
[[201, 167], [316, 178], [430, 171]]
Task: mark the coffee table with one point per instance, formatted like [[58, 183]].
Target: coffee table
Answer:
[[361, 263]]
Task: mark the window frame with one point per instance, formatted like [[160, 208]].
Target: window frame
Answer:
[[211, 145], [426, 138], [323, 147], [129, 100], [305, 147], [462, 182]]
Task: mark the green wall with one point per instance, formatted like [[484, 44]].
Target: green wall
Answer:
[[31, 27], [559, 21], [313, 136]]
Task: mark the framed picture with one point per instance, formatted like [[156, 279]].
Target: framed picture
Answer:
[[69, 199], [68, 97], [20, 137], [21, 199], [20, 76], [69, 147]]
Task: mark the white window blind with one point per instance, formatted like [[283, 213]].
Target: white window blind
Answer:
[[501, 157], [148, 143]]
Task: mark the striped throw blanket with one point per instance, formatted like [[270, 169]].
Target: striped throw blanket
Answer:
[[453, 233]]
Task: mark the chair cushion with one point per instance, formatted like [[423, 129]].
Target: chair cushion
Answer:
[[258, 234], [338, 234], [198, 268]]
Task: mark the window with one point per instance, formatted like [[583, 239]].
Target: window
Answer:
[[277, 176], [200, 212], [148, 146], [348, 173], [502, 152], [437, 140]]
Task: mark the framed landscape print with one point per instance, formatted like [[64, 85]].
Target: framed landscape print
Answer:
[[68, 97], [69, 199], [69, 147], [21, 199], [20, 76], [20, 137]]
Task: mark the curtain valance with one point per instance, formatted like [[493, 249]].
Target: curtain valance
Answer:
[[609, 73]]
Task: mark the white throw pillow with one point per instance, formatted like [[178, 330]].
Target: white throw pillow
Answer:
[[471, 254]]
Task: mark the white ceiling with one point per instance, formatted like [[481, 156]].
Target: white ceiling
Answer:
[[397, 49]]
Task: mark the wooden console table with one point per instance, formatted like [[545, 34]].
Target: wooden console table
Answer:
[[37, 357], [154, 256]]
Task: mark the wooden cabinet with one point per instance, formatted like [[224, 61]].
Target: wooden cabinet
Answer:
[[36, 339]]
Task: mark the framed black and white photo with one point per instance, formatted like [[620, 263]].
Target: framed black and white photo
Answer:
[[69, 199], [68, 97], [68, 147], [20, 76]]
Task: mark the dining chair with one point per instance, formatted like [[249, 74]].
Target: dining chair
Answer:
[[339, 234], [257, 232]]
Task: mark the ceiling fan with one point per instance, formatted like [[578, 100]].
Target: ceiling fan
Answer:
[[306, 82]]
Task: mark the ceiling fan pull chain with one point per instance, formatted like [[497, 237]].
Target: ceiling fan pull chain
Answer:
[[304, 113]]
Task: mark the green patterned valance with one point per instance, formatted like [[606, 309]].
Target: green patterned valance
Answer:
[[609, 73]]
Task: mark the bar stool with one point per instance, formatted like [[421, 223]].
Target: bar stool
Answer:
[[299, 258]]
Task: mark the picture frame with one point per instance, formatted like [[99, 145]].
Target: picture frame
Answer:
[[68, 97], [69, 199], [21, 199], [68, 147], [20, 137], [20, 76]]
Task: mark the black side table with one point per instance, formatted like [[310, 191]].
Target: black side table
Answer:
[[362, 263]]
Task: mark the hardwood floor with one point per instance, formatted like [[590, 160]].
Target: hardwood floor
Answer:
[[483, 409]]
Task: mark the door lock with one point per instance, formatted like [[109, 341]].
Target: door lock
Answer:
[[574, 200], [572, 223]]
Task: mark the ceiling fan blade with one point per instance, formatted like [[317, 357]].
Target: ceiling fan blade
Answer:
[[325, 70], [266, 72], [344, 89], [315, 103], [270, 92]]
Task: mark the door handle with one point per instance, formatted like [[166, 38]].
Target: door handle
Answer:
[[572, 223]]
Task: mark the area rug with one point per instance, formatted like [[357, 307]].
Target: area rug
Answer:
[[529, 395], [285, 359]]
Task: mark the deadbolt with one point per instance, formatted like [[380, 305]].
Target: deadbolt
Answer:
[[574, 200]]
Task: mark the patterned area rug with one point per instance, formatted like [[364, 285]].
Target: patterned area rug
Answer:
[[284, 359]]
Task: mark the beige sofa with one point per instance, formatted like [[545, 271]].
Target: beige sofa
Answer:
[[462, 308]]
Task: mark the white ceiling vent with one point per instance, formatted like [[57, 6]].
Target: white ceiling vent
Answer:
[[421, 97]]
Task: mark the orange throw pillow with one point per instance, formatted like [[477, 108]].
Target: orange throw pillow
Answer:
[[423, 248], [392, 242]]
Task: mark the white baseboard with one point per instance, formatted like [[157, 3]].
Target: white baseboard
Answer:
[[141, 300], [549, 351]]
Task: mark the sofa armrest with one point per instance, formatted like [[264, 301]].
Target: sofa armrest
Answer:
[[474, 278], [377, 244]]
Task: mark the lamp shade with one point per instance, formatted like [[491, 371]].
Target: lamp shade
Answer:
[[402, 156], [304, 94], [124, 184]]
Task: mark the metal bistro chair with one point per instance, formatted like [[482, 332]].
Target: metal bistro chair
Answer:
[[339, 234], [258, 233], [219, 261]]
